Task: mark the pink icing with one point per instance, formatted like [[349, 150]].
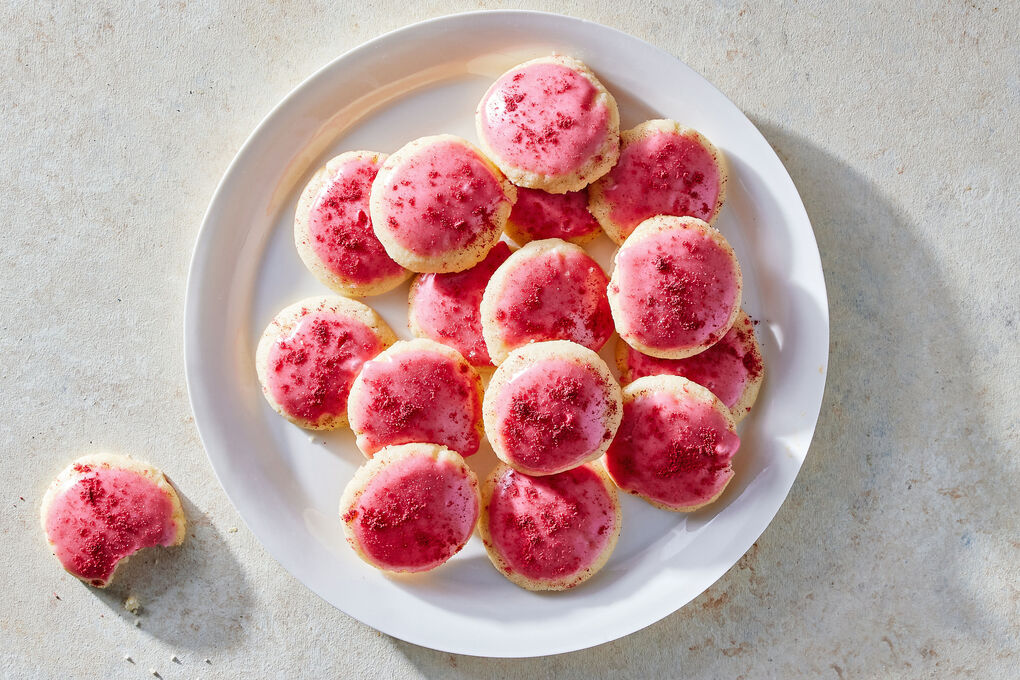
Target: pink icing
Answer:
[[676, 452], [418, 396], [415, 514], [104, 516], [677, 288], [540, 214], [544, 118], [551, 527], [311, 370], [443, 198], [552, 415], [662, 174], [725, 368], [558, 295], [341, 229], [445, 306]]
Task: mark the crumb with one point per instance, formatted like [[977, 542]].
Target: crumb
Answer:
[[56, 596], [138, 623], [208, 661], [232, 530], [127, 657], [132, 604], [175, 659], [154, 672]]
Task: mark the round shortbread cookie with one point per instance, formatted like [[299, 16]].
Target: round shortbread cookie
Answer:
[[417, 391], [552, 532], [664, 169], [732, 369], [103, 508], [538, 215], [311, 352], [333, 228], [411, 508], [676, 287], [550, 124], [439, 205], [547, 290], [674, 445], [551, 406], [445, 307]]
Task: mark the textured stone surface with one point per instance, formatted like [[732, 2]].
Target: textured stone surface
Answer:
[[896, 554]]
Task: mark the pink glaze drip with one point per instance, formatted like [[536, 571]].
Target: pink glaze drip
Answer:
[[442, 199], [556, 296], [445, 306], [540, 214], [675, 452], [415, 514], [311, 370], [678, 288], [552, 415], [725, 368], [341, 229], [418, 396], [544, 118], [662, 174], [552, 527], [104, 516]]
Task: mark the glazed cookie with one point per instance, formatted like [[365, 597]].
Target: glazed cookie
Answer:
[[674, 445], [333, 229], [547, 290], [445, 307], [676, 287], [550, 124], [664, 169], [551, 406], [411, 508], [103, 508], [538, 214], [732, 369], [417, 391], [311, 352], [551, 532], [439, 205]]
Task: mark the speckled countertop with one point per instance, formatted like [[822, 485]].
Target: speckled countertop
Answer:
[[896, 553]]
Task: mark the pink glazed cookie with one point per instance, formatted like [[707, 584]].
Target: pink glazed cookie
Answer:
[[664, 169], [439, 205], [333, 229], [732, 369], [676, 287], [674, 445], [417, 391], [445, 307], [547, 290], [550, 124], [411, 508], [310, 353], [552, 532], [551, 406], [103, 508], [538, 214]]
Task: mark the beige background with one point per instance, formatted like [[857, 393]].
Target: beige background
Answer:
[[895, 555]]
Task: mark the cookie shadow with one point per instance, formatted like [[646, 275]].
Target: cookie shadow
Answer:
[[193, 596]]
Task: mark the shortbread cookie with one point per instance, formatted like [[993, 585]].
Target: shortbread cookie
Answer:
[[333, 228], [551, 406], [547, 290], [538, 214], [445, 307], [103, 508], [439, 205], [551, 532], [664, 169], [674, 445], [732, 369], [550, 124], [311, 352], [676, 287], [417, 391], [411, 508]]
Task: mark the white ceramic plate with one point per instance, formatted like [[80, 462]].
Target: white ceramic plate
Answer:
[[426, 79]]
